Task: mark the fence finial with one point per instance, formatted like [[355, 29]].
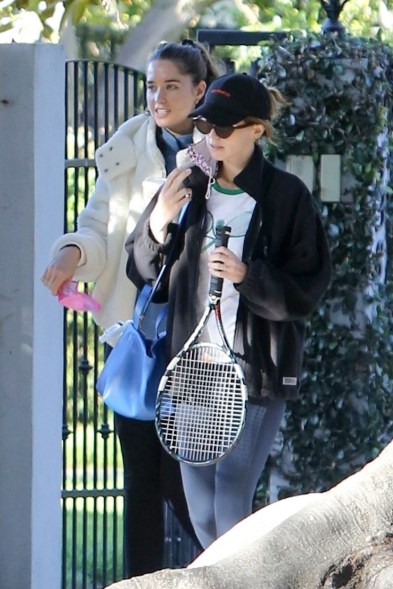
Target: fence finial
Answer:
[[333, 9]]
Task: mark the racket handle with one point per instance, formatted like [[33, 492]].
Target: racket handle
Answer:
[[222, 232]]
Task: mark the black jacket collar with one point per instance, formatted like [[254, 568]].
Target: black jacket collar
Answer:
[[255, 177]]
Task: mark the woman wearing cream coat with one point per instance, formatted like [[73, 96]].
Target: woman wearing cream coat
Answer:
[[144, 146]]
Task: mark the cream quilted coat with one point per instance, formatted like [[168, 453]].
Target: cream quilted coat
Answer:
[[112, 211]]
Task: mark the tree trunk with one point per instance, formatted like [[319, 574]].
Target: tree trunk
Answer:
[[331, 543], [165, 20]]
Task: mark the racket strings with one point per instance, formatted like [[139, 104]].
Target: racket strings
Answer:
[[202, 405]]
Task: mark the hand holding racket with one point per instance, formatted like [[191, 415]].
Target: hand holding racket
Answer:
[[201, 403]]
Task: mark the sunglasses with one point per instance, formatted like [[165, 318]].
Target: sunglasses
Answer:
[[223, 132]]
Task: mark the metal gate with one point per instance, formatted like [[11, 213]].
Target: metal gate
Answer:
[[99, 97]]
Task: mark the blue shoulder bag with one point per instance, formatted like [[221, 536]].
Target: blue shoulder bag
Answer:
[[131, 374]]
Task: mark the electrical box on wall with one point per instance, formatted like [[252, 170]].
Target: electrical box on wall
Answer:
[[303, 167], [330, 178]]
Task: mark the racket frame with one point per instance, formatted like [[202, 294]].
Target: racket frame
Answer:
[[214, 305]]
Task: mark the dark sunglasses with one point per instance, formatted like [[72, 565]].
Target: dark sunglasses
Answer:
[[224, 132]]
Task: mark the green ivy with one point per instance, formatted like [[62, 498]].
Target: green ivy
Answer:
[[340, 96]]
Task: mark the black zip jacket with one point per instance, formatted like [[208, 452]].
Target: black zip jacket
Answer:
[[289, 269]]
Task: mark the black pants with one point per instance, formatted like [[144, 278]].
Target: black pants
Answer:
[[150, 475]]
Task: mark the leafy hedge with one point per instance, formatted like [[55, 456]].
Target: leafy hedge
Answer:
[[341, 103]]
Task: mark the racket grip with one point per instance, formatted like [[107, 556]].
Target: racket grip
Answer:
[[222, 236]]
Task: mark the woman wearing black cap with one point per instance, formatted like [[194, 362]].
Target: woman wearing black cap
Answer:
[[276, 268]]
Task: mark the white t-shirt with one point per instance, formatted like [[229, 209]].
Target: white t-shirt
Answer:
[[233, 208]]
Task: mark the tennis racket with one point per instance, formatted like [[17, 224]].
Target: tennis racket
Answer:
[[201, 402]]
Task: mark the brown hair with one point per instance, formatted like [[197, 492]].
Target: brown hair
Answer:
[[277, 102], [192, 59]]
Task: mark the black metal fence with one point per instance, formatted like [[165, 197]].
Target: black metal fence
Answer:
[[99, 97]]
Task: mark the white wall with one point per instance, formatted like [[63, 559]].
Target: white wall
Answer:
[[31, 217]]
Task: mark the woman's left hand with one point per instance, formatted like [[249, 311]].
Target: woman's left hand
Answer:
[[225, 264]]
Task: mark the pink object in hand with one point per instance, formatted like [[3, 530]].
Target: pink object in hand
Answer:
[[70, 297]]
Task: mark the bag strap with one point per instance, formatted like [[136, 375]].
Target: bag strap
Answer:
[[141, 305], [147, 293]]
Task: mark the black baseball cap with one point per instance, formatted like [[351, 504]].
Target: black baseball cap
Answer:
[[233, 97]]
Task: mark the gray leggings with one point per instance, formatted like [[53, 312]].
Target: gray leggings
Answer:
[[220, 495]]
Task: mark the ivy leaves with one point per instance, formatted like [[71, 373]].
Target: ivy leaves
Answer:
[[341, 102]]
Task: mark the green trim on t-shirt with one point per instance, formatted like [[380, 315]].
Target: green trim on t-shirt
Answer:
[[227, 190]]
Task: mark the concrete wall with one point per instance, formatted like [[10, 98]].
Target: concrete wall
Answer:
[[31, 217]]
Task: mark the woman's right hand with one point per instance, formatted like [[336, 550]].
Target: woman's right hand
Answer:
[[61, 268], [171, 199]]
